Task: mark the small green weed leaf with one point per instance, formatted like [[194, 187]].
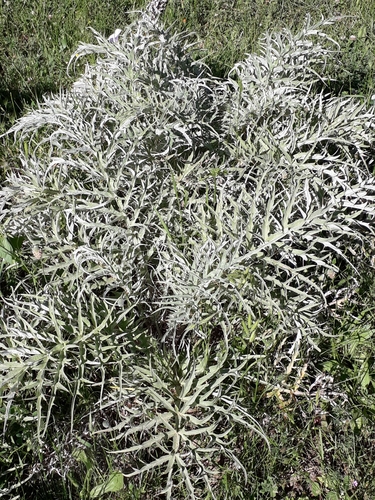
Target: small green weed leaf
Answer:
[[362, 32], [332, 495], [6, 250], [115, 482], [315, 489], [365, 375], [81, 456], [16, 242]]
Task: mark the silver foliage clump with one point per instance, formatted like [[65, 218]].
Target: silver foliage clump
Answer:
[[162, 211], [303, 162]]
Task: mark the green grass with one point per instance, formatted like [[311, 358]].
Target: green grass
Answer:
[[318, 420]]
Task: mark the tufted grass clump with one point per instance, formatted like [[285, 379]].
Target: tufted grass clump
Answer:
[[183, 237]]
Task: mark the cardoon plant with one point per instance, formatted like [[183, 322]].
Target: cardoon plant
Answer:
[[168, 218]]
